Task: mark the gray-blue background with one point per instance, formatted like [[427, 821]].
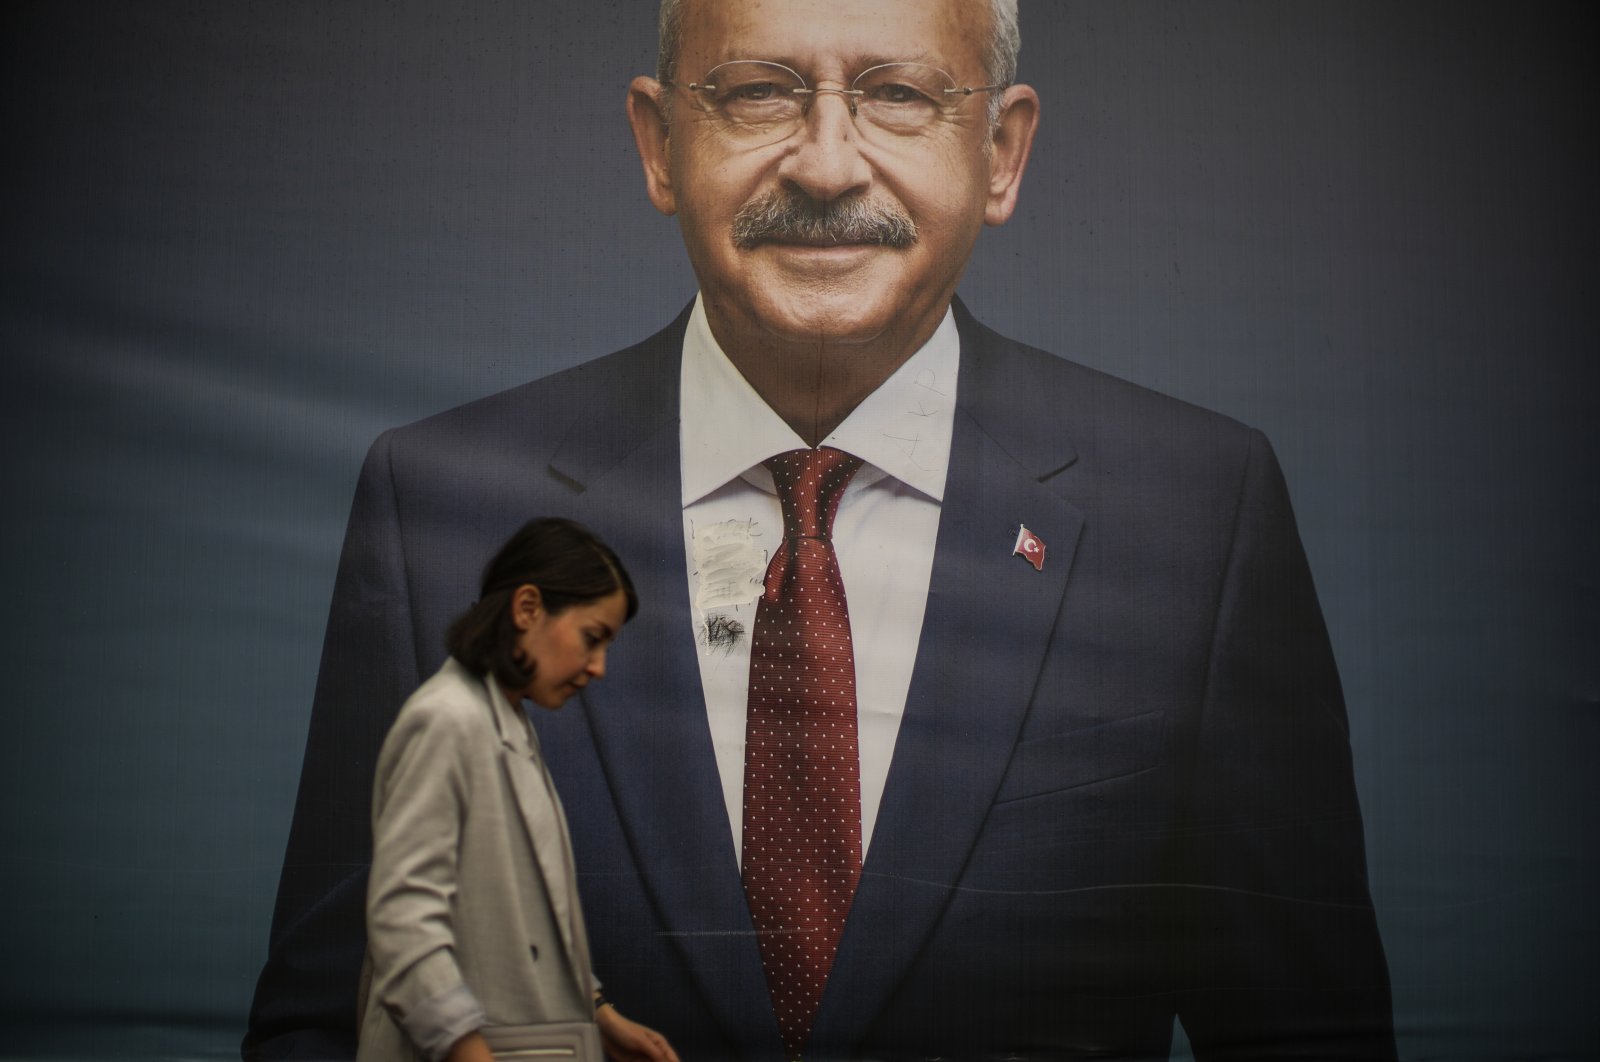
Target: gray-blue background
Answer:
[[239, 239]]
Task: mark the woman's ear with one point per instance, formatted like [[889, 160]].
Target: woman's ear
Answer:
[[526, 605]]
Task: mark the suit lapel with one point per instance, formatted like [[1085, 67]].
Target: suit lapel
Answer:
[[987, 626], [648, 715]]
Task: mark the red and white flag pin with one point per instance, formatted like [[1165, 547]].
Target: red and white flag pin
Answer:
[[1031, 546]]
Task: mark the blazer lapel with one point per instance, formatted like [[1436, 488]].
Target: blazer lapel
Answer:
[[523, 763], [988, 624], [648, 715]]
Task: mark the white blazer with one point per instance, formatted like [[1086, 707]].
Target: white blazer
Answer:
[[472, 906]]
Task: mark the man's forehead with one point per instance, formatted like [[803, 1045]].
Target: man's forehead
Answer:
[[849, 33]]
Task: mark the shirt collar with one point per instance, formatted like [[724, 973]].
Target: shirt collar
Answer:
[[902, 429]]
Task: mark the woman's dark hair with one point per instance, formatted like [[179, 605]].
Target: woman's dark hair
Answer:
[[568, 564]]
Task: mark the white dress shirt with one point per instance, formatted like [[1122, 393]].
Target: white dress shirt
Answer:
[[884, 536]]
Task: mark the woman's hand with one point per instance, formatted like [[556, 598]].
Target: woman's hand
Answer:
[[470, 1048], [628, 1041]]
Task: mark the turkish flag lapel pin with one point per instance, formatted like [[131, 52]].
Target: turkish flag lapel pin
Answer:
[[1030, 547]]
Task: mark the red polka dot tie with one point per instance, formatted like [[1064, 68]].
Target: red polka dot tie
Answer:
[[802, 767]]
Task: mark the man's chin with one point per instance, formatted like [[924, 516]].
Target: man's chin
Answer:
[[839, 316]]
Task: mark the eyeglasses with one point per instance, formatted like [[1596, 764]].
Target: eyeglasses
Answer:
[[762, 102]]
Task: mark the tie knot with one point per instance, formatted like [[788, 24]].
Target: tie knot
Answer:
[[810, 483]]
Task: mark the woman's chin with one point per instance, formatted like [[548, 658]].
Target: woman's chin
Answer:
[[552, 699]]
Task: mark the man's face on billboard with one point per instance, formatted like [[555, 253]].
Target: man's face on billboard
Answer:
[[813, 224]]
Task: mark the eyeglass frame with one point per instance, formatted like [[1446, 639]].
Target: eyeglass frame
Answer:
[[848, 94]]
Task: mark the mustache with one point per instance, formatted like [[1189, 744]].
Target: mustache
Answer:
[[789, 216]]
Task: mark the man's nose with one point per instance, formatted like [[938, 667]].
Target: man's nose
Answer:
[[826, 160]]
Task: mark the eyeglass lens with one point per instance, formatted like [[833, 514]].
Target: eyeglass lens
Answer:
[[762, 100]]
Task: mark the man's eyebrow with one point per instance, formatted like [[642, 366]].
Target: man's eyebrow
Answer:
[[867, 61], [852, 64], [926, 58]]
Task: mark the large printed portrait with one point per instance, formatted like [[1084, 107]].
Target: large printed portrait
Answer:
[[1224, 662]]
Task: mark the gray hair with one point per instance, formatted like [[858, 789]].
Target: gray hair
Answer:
[[999, 59]]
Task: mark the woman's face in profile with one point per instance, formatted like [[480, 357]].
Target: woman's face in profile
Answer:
[[566, 651]]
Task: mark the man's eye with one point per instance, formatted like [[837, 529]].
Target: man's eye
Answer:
[[897, 93], [757, 92]]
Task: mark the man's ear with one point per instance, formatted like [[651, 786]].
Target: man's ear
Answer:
[[1013, 140], [645, 100]]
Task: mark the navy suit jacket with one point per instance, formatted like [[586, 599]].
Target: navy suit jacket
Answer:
[[1121, 790]]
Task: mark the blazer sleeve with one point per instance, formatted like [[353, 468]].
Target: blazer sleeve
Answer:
[[305, 1000], [419, 803], [1276, 940]]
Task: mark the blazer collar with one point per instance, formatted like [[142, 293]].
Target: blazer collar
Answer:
[[633, 401], [510, 723], [1003, 401]]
